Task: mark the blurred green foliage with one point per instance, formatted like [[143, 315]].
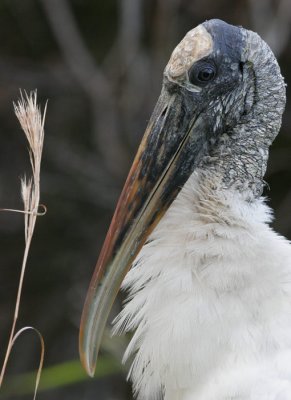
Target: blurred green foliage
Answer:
[[60, 375]]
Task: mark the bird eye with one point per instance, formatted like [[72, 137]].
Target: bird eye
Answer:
[[202, 73]]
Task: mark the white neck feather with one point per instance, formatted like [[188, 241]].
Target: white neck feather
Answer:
[[209, 296]]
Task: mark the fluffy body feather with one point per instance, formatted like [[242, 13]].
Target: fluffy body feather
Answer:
[[210, 300]]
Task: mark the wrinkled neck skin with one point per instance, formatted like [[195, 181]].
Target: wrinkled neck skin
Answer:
[[240, 154]]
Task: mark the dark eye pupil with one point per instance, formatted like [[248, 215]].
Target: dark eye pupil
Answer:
[[202, 73], [206, 74]]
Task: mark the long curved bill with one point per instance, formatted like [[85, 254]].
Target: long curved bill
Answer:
[[167, 155]]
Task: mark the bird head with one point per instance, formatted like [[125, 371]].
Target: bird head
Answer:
[[219, 109]]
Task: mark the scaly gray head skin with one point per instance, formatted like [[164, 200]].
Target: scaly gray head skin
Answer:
[[242, 105], [219, 110]]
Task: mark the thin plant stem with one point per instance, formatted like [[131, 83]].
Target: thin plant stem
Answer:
[[32, 123]]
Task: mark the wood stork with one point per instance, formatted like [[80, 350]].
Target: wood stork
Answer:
[[210, 289]]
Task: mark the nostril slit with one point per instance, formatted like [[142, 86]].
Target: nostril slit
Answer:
[[241, 67], [164, 112]]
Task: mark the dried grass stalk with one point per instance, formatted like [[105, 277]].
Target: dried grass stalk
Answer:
[[32, 123]]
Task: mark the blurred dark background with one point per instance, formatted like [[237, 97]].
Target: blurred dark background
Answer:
[[99, 64]]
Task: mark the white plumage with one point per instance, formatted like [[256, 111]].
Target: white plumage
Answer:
[[210, 299]]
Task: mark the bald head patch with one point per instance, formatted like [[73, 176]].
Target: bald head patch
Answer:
[[195, 45]]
